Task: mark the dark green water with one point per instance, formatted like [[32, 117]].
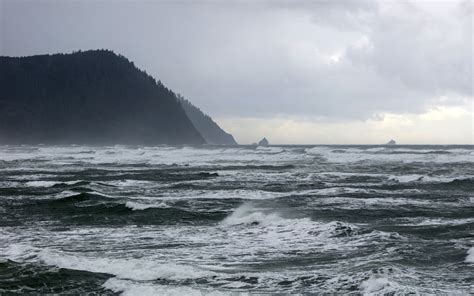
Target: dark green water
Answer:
[[212, 220]]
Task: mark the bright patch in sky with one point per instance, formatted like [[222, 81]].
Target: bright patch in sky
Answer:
[[452, 125]]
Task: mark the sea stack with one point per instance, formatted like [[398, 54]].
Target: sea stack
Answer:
[[391, 142], [263, 142]]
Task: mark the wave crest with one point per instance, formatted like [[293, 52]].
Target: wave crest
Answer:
[[470, 255]]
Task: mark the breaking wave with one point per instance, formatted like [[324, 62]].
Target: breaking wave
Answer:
[[205, 220]]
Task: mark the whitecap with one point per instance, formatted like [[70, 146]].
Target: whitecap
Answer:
[[41, 183], [406, 178], [377, 286], [270, 149], [246, 214], [143, 206], [470, 255], [377, 149], [126, 288], [20, 252], [126, 268], [49, 183], [438, 221], [129, 183], [409, 155], [259, 229]]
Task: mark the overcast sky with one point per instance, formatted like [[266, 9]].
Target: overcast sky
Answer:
[[293, 71]]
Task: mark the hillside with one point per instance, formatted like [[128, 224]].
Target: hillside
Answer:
[[91, 97], [208, 128]]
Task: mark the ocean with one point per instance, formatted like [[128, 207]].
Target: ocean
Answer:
[[236, 220]]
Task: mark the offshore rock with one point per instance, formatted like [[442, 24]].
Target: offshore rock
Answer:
[[263, 142]]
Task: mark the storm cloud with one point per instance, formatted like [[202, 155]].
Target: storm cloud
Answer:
[[313, 60]]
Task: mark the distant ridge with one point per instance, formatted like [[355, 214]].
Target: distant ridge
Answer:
[[208, 128], [90, 97]]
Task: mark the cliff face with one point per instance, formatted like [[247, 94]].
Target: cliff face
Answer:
[[92, 97], [211, 132]]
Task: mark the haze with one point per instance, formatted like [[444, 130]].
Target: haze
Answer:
[[296, 72]]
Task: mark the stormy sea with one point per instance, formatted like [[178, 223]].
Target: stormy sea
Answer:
[[228, 220]]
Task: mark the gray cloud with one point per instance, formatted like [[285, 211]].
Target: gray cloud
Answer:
[[331, 59]]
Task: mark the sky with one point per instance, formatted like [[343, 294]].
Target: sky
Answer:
[[296, 72]]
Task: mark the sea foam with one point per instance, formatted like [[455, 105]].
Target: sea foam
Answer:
[[377, 286], [129, 268], [136, 206], [131, 288], [124, 268], [246, 214], [470, 255]]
